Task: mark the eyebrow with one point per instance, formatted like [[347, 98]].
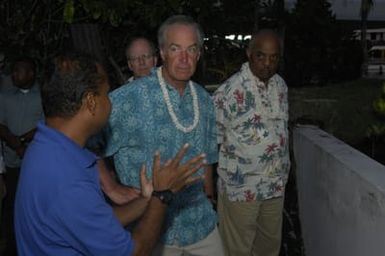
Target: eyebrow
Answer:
[[264, 53], [173, 44]]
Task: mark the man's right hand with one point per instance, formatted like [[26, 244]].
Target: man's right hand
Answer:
[[174, 176]]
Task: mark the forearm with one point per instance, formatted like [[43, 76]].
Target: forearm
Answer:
[[28, 136], [107, 181], [9, 138], [147, 232], [116, 192], [131, 211]]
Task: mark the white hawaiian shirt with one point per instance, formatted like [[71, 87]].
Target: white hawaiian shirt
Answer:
[[253, 136]]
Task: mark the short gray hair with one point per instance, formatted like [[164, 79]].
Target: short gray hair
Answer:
[[179, 20]]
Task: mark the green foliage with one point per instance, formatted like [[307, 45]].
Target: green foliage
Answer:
[[33, 28], [317, 49], [343, 109], [377, 129], [69, 11]]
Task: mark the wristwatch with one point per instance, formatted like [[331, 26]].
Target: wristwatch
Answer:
[[165, 196], [22, 139]]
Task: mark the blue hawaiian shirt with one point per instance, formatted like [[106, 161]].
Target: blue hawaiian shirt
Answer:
[[140, 124]]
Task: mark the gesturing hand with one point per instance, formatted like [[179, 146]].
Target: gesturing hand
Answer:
[[173, 176], [146, 186]]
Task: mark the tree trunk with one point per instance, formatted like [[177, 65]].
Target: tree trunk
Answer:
[[364, 44], [256, 17]]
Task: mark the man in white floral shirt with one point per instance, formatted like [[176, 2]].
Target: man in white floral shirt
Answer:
[[253, 167]]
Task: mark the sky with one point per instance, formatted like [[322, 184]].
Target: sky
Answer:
[[350, 9]]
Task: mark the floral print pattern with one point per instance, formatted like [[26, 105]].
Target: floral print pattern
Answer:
[[140, 124], [252, 130]]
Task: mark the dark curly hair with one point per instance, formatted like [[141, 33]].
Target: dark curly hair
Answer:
[[73, 76]]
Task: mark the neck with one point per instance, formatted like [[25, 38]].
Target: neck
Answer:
[[178, 85], [69, 128]]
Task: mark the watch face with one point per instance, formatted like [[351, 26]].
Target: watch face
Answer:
[[165, 196]]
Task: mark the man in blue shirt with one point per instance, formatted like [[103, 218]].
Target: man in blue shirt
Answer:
[[60, 208], [164, 111]]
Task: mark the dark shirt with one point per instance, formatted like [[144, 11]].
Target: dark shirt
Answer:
[[19, 111]]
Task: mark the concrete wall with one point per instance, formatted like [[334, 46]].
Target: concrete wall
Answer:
[[341, 195]]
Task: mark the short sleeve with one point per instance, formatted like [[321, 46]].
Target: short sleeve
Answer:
[[212, 146], [117, 129], [219, 105], [85, 221]]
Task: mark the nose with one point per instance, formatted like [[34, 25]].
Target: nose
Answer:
[[267, 62], [183, 57], [142, 60]]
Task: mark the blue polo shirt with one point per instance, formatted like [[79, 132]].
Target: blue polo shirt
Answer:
[[60, 209]]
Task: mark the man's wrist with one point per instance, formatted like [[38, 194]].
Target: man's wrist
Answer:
[[165, 196], [22, 139]]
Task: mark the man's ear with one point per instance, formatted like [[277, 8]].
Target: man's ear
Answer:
[[155, 60], [129, 65], [162, 54], [248, 53], [90, 102]]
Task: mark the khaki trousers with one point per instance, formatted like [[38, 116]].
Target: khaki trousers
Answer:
[[250, 228], [210, 246]]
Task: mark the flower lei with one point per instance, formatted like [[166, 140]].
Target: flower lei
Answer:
[[166, 98]]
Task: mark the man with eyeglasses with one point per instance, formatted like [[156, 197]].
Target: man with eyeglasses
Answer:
[[161, 112], [253, 167], [141, 57]]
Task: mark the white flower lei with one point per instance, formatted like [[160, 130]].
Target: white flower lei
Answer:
[[166, 98]]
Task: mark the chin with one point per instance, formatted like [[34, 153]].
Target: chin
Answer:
[[184, 75], [184, 78]]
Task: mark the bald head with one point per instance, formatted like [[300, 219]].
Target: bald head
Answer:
[[263, 54]]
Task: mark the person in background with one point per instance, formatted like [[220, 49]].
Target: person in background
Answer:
[[252, 121], [60, 209], [163, 111], [141, 57], [5, 79], [20, 110]]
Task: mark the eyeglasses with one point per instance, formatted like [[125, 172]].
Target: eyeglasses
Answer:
[[142, 57]]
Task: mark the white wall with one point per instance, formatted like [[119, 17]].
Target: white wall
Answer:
[[341, 196]]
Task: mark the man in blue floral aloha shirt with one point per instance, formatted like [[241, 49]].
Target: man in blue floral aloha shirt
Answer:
[[253, 167], [161, 112]]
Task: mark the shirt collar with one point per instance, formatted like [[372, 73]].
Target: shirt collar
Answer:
[[83, 156], [34, 88]]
